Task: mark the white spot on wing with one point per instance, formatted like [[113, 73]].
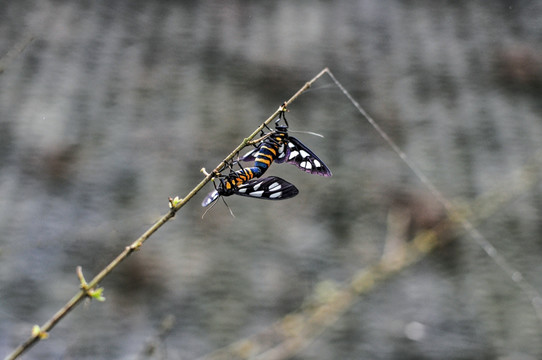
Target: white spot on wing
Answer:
[[242, 190], [210, 198], [275, 195], [256, 193], [304, 153], [257, 186], [274, 186], [305, 165], [293, 154], [317, 163]]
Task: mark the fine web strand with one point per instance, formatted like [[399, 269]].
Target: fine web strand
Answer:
[[515, 275]]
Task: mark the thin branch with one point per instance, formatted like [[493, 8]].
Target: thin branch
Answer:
[[175, 206]]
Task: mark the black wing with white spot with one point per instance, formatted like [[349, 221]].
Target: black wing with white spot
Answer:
[[301, 156], [269, 188]]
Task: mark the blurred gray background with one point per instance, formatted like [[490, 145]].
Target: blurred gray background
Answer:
[[116, 105]]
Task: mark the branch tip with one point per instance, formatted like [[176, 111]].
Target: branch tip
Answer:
[[82, 282]]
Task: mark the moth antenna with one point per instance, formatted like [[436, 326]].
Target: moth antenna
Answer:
[[225, 203], [307, 132], [208, 209]]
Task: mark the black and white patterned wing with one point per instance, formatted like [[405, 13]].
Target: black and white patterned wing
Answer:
[[210, 198], [269, 188], [301, 156]]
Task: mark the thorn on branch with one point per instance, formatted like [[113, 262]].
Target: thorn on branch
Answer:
[[214, 172]]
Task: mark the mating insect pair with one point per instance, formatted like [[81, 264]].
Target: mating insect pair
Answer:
[[275, 146]]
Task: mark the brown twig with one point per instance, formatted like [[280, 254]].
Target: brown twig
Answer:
[[175, 205]]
